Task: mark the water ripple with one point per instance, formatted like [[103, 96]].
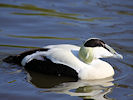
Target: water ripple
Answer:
[[42, 37]]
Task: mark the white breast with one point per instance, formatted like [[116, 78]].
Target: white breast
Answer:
[[98, 70]]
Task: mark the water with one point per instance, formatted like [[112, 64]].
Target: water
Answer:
[[26, 24]]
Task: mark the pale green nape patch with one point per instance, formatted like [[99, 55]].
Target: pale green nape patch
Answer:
[[86, 54]]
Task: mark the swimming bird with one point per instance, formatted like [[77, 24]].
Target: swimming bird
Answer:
[[69, 60]]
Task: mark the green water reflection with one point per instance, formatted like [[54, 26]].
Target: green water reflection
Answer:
[[42, 37], [64, 16], [50, 12], [16, 46], [34, 8], [125, 13]]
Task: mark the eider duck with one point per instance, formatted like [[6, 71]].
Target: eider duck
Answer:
[[69, 60]]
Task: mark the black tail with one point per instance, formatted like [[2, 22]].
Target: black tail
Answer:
[[12, 59], [16, 59]]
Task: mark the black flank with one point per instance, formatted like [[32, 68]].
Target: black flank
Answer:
[[48, 67]]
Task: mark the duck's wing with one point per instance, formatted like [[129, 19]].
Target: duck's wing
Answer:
[[59, 54], [66, 55]]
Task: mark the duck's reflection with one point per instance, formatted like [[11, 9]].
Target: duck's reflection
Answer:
[[94, 89]]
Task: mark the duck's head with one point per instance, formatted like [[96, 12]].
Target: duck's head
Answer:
[[95, 48]]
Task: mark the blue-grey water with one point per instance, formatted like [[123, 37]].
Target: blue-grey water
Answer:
[[27, 24]]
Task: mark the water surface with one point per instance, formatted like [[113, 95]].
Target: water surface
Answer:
[[27, 24]]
